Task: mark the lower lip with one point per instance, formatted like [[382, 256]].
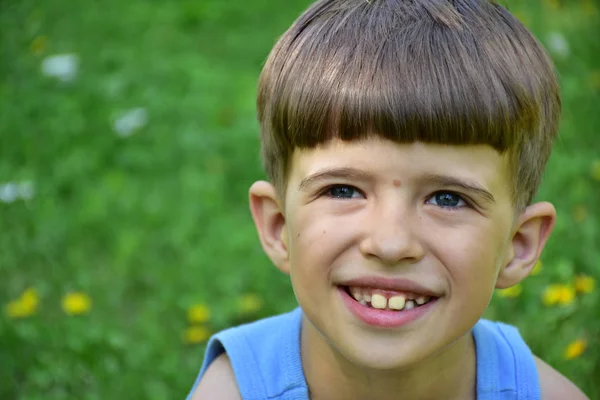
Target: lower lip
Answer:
[[383, 318]]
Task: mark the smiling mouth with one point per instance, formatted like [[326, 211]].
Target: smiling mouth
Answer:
[[387, 300]]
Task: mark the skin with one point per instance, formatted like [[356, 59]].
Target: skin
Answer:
[[375, 208]]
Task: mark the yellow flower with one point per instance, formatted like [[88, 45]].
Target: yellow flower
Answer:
[[196, 334], [24, 306], [198, 314], [537, 268], [513, 291], [76, 303], [250, 303], [30, 298], [554, 4], [567, 295], [558, 294], [584, 284], [575, 349], [595, 168]]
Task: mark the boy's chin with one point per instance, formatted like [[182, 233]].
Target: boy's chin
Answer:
[[383, 360], [379, 357]]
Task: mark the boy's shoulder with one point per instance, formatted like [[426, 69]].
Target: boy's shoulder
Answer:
[[218, 379], [514, 358], [554, 385], [260, 359]]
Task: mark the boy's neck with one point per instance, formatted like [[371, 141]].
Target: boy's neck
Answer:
[[449, 375]]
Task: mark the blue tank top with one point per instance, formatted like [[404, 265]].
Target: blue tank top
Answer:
[[265, 356]]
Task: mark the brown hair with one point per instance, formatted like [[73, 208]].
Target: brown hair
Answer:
[[437, 71]]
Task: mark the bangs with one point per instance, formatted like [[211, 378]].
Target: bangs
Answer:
[[427, 80]]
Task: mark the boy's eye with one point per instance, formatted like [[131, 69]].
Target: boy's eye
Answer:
[[447, 200], [342, 192]]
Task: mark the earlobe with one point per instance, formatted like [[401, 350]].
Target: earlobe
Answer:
[[270, 223], [532, 231]]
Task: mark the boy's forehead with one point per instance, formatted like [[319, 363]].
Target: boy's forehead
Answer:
[[383, 153]]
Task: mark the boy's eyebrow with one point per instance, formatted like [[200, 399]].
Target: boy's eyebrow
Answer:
[[445, 180], [347, 173]]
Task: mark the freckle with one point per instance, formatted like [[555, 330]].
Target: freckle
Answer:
[[396, 183]]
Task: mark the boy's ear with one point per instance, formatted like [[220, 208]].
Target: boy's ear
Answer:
[[270, 223], [530, 236]]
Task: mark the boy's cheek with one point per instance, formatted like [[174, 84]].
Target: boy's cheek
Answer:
[[319, 233]]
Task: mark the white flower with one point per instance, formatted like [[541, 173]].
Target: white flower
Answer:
[[9, 192], [130, 121], [61, 66], [557, 44]]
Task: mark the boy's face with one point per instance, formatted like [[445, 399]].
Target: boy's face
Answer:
[[382, 220]]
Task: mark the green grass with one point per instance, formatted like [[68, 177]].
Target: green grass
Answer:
[[150, 224]]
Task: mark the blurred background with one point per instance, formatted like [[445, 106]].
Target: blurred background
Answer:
[[128, 141]]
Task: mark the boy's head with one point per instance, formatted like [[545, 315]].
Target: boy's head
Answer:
[[438, 71], [399, 136]]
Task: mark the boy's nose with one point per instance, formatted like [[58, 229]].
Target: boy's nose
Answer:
[[391, 237]]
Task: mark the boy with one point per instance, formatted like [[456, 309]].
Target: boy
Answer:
[[404, 141]]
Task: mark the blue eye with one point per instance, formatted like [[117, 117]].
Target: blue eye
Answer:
[[447, 200], [342, 192]]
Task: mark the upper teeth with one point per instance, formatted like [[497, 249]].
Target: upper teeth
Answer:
[[397, 302], [421, 300], [378, 301]]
